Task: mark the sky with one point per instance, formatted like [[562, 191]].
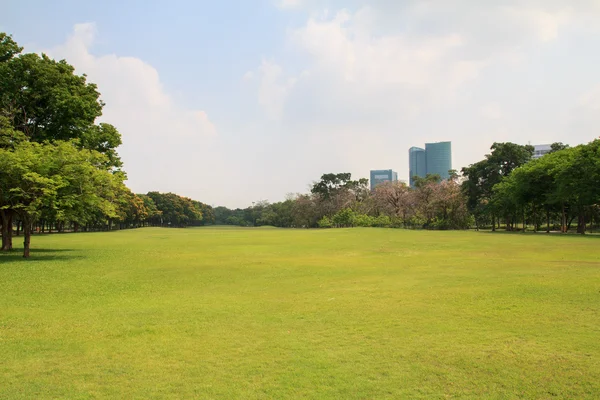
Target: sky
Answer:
[[235, 101]]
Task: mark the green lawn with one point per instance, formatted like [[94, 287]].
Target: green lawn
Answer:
[[270, 313]]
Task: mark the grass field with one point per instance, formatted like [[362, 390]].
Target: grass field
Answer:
[[268, 313]]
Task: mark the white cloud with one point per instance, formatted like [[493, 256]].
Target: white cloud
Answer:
[[273, 90], [273, 87], [166, 146], [382, 76], [136, 101]]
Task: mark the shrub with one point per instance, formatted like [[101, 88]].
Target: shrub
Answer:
[[382, 221], [364, 220], [325, 222], [344, 217]]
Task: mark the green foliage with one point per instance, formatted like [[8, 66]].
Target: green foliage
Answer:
[[557, 146], [45, 99], [429, 178], [175, 210], [382, 221], [8, 47], [331, 185], [57, 179], [325, 222], [362, 220], [103, 138], [9, 137], [344, 218], [481, 177], [564, 181]]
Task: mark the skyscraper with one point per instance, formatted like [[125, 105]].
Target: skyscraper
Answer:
[[382, 175], [439, 158], [417, 163], [436, 158]]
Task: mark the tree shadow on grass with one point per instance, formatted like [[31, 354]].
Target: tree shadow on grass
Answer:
[[36, 254], [589, 235]]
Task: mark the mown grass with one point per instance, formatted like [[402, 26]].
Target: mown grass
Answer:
[[341, 314]]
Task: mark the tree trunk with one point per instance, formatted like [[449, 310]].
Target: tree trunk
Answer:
[[524, 220], [581, 222], [493, 223], [75, 227], [19, 225], [569, 222], [563, 227], [547, 221], [7, 221], [26, 238]]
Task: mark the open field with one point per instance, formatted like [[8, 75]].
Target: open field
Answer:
[[269, 313]]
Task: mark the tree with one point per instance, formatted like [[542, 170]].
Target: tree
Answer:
[[449, 205], [59, 177], [43, 100], [8, 47], [344, 218], [154, 213], [176, 211], [481, 177], [563, 182], [103, 138], [335, 192], [395, 199], [558, 146]]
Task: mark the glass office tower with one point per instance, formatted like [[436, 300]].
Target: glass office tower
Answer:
[[417, 164], [439, 158], [382, 175]]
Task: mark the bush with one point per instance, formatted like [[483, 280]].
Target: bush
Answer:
[[364, 220], [382, 221], [325, 222], [344, 217], [416, 221]]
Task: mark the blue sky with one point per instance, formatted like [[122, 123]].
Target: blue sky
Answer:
[[232, 102]]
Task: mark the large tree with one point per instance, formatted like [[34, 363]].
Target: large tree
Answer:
[[44, 101], [58, 177], [481, 177]]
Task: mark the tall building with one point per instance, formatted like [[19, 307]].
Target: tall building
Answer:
[[379, 176], [540, 150], [436, 158], [439, 158], [417, 164]]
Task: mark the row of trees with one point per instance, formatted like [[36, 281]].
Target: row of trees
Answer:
[[59, 168], [559, 190], [338, 201], [55, 160], [554, 190]]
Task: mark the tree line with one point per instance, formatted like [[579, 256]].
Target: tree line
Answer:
[[59, 167], [508, 188], [336, 200], [558, 191], [60, 171]]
